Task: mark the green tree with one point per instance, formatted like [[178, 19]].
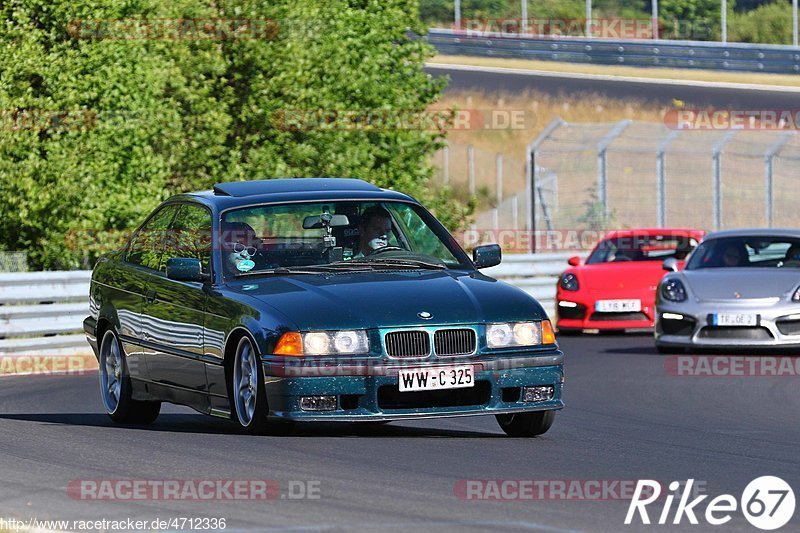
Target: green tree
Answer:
[[769, 23], [124, 123]]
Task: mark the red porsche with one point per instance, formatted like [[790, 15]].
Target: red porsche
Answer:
[[615, 289]]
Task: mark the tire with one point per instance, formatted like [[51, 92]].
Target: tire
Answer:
[[115, 386], [526, 424], [248, 397]]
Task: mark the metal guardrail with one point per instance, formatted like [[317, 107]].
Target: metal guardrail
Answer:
[[43, 312], [649, 53], [536, 274]]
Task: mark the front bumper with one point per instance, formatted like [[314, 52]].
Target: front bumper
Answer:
[[581, 313], [778, 325], [370, 393]]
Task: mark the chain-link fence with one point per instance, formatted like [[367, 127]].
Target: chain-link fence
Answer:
[[13, 261], [633, 174]]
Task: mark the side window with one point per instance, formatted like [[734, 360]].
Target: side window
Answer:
[[189, 236], [147, 244], [419, 235]]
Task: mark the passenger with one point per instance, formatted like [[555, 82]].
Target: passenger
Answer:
[[792, 257], [239, 247]]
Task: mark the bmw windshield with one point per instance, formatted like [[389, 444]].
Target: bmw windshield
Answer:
[[334, 235]]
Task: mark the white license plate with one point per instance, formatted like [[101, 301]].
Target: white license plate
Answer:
[[734, 319], [616, 306], [435, 378]]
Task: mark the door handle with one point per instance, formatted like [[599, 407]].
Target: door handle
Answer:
[[150, 296]]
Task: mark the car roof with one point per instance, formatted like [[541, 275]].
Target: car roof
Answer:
[[755, 232], [243, 193], [649, 232], [284, 185]]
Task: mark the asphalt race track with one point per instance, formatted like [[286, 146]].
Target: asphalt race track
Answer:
[[626, 418], [650, 91]]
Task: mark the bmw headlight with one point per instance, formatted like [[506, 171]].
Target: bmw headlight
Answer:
[[569, 282], [673, 290], [510, 334], [345, 342]]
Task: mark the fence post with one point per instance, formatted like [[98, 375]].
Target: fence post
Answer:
[[547, 220], [661, 179], [446, 164], [602, 164], [769, 155], [515, 211], [499, 175], [589, 33], [531, 173], [524, 13], [717, 172], [724, 21], [471, 166], [654, 17]]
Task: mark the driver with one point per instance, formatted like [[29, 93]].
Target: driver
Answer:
[[373, 230], [733, 255]]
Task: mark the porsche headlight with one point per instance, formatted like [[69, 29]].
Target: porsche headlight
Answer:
[[569, 282], [673, 290], [510, 334]]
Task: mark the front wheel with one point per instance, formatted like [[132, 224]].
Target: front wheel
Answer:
[[115, 386], [247, 389], [526, 424]]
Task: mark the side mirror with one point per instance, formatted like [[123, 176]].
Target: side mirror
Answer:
[[575, 260], [185, 269], [488, 255], [670, 264]]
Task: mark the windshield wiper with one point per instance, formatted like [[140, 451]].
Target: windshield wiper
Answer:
[[395, 263], [280, 271], [308, 269]]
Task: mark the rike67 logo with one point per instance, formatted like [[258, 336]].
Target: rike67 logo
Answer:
[[767, 503]]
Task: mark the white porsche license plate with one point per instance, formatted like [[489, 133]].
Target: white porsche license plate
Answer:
[[616, 306], [435, 378], [734, 319]]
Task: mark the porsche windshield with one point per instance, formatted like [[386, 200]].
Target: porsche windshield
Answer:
[[735, 252], [642, 248], [334, 235]]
